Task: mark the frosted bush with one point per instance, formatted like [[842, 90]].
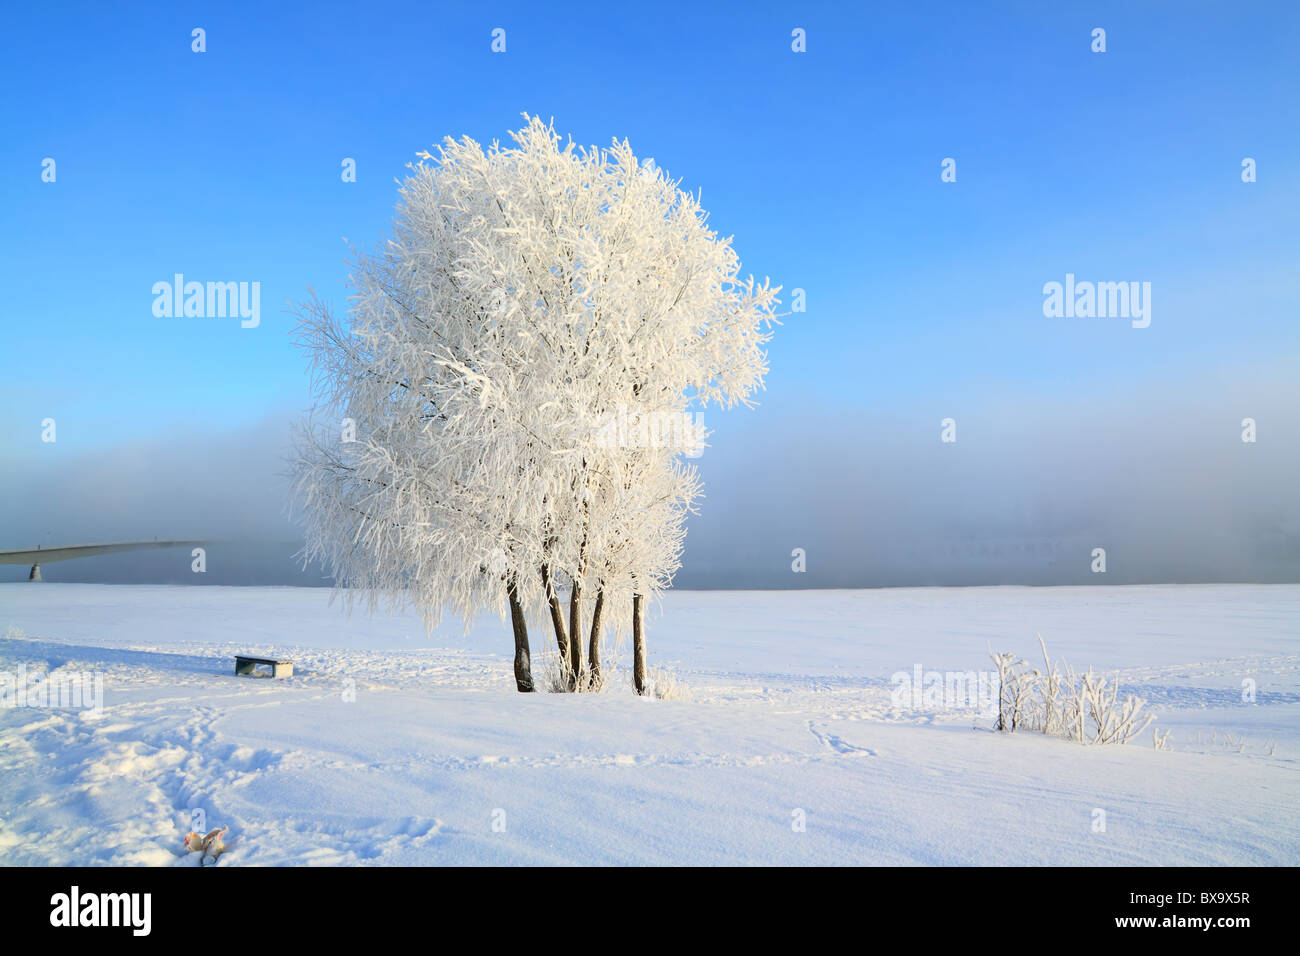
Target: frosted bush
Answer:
[[1086, 708]]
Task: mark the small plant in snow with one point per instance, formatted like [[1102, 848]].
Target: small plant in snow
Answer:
[[558, 678], [1054, 701], [663, 684], [1113, 722], [1015, 691]]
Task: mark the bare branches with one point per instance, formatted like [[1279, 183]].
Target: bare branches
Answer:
[[1053, 701]]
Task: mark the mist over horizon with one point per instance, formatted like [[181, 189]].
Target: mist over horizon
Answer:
[[1157, 476]]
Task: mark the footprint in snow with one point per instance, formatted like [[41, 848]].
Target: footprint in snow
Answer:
[[839, 744]]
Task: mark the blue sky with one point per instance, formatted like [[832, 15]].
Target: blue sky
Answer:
[[924, 298]]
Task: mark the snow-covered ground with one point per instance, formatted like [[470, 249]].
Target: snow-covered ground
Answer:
[[789, 720]]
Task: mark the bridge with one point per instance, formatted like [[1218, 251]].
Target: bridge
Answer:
[[39, 555]]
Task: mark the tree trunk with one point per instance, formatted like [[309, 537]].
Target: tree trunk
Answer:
[[557, 621], [638, 643], [593, 652], [575, 629], [575, 609], [523, 664]]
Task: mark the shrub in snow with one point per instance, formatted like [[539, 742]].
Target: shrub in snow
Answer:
[[1085, 708], [663, 684], [1015, 691], [558, 678]]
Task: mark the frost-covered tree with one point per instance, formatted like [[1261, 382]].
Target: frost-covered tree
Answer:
[[527, 298]]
